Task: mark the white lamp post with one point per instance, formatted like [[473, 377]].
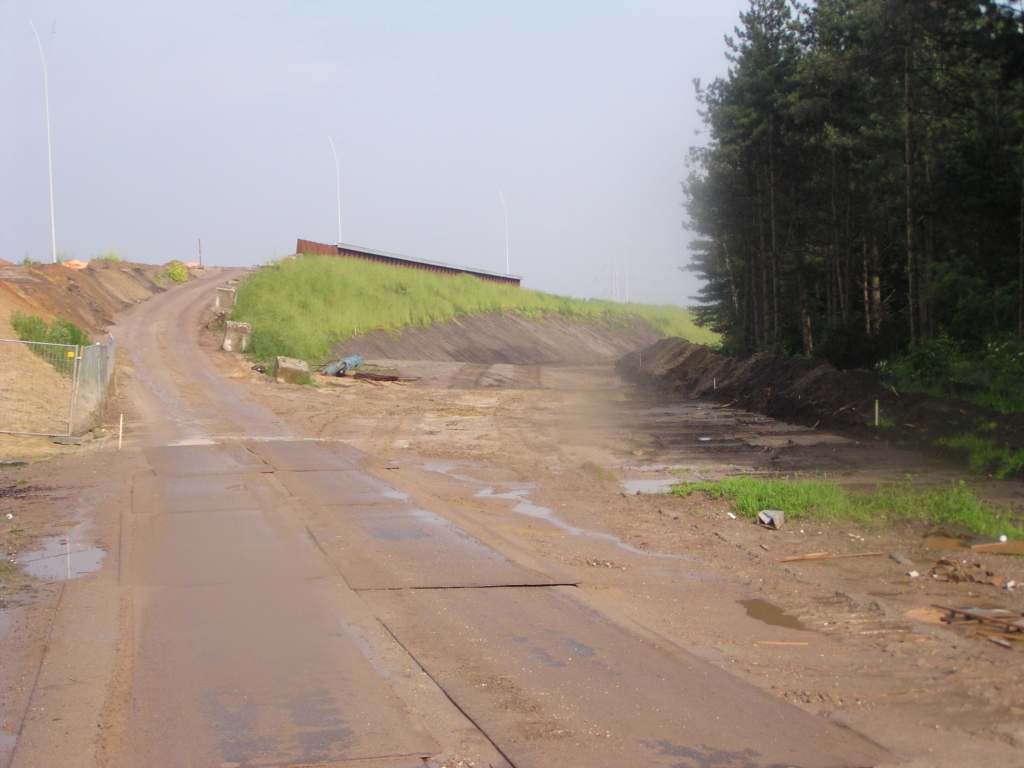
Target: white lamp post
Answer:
[[49, 154], [337, 178], [506, 230]]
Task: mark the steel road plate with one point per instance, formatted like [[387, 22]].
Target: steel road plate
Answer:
[[390, 547], [553, 683], [305, 455]]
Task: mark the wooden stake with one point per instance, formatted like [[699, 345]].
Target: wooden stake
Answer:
[[876, 413], [120, 432], [825, 556]]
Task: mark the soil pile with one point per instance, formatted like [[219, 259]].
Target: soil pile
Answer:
[[86, 297], [811, 392], [491, 339]]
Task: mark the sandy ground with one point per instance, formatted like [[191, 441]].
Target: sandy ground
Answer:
[[562, 461], [562, 464]]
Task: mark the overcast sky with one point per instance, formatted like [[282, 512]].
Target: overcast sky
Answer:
[[175, 121]]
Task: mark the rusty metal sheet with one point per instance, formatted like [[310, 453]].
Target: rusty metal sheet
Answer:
[[188, 460], [305, 455], [229, 674], [391, 547], [201, 493], [552, 683], [233, 547], [328, 488]]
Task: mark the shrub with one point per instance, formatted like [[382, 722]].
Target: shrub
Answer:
[[177, 272], [108, 255]]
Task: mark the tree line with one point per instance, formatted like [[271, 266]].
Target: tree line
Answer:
[[862, 187]]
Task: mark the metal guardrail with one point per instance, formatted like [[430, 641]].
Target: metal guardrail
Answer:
[[54, 390]]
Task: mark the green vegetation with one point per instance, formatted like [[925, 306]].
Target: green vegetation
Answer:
[[32, 328], [176, 271], [984, 456], [860, 189], [8, 570], [299, 307], [108, 255], [815, 499], [990, 375]]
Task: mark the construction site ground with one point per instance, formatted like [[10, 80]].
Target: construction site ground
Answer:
[[560, 469]]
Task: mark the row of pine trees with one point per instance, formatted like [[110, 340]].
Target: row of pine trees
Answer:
[[862, 186]]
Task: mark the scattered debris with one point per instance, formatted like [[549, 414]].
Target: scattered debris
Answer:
[[901, 559], [764, 548], [343, 366], [825, 556], [260, 368], [957, 572], [731, 515], [913, 574], [604, 564], [771, 518], [999, 625]]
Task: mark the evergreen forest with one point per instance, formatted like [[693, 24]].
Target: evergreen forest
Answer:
[[860, 195]]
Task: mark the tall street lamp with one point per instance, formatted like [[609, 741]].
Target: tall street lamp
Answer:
[[49, 154]]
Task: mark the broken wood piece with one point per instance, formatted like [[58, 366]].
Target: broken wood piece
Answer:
[[1000, 547], [776, 642], [825, 556]]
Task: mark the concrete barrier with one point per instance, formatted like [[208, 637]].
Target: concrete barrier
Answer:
[[236, 336], [290, 370], [225, 299]]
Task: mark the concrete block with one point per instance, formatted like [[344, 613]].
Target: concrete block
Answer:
[[225, 299], [236, 336], [217, 318], [290, 370]]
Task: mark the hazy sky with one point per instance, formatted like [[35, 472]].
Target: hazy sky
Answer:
[[174, 121]]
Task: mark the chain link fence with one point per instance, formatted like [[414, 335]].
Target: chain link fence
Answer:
[[55, 390]]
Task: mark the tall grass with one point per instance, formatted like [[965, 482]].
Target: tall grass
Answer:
[[299, 307], [953, 505]]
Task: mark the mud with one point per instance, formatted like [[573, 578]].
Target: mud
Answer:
[[469, 443], [813, 393]]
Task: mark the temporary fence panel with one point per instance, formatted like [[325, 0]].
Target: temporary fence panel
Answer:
[[94, 386], [37, 387], [54, 389]]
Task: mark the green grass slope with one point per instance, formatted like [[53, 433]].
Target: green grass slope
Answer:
[[299, 307]]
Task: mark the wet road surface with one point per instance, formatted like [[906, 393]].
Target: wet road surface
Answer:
[[244, 546]]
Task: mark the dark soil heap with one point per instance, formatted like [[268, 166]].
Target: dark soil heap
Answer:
[[491, 339], [814, 393]]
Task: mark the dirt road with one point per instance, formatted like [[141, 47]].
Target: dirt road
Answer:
[[451, 573]]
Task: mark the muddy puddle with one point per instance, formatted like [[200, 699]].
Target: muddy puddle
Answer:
[[649, 485], [770, 614], [519, 493], [62, 559]]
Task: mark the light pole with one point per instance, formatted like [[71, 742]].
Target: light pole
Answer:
[[49, 154], [337, 178], [507, 271]]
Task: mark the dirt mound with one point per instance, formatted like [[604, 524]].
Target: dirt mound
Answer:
[[491, 339], [86, 297], [811, 392]]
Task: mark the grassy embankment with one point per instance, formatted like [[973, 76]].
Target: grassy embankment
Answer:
[[819, 500], [300, 307]]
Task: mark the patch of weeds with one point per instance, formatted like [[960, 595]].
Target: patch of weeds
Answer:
[[32, 328], [815, 499], [984, 456], [176, 271], [108, 255], [8, 570], [597, 471]]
